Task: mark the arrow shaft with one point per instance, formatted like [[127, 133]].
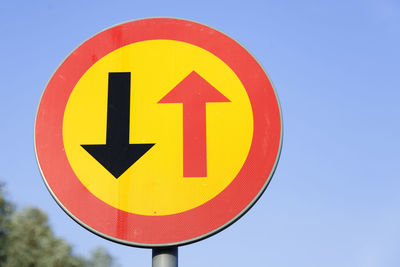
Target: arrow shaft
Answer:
[[118, 109], [194, 140]]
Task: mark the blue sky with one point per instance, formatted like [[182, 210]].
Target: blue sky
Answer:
[[334, 198]]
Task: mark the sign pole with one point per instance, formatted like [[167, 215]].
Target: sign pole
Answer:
[[165, 257]]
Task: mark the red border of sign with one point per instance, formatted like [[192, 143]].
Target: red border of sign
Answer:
[[168, 230]]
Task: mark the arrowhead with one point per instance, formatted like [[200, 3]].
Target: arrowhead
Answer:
[[192, 90], [116, 158]]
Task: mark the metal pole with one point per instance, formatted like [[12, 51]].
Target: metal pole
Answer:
[[165, 257]]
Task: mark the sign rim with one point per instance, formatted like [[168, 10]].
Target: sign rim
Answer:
[[242, 212]]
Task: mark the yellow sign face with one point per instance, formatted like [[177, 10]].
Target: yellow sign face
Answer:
[[155, 184]]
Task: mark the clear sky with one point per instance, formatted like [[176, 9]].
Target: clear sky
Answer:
[[334, 198]]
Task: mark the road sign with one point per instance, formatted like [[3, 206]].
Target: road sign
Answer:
[[158, 132]]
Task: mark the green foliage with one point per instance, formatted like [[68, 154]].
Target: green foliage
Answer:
[[31, 242], [100, 258], [27, 240], [6, 209]]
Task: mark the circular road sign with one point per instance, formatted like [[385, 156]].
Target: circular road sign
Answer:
[[158, 132]]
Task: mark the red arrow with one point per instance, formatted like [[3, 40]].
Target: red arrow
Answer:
[[194, 92]]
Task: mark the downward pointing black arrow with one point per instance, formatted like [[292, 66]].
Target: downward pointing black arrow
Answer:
[[117, 155]]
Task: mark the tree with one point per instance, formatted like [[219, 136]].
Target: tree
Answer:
[[27, 240], [100, 258], [31, 243], [6, 210]]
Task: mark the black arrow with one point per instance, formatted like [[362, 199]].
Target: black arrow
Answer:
[[117, 155]]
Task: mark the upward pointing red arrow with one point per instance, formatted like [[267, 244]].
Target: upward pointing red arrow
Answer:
[[194, 92]]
